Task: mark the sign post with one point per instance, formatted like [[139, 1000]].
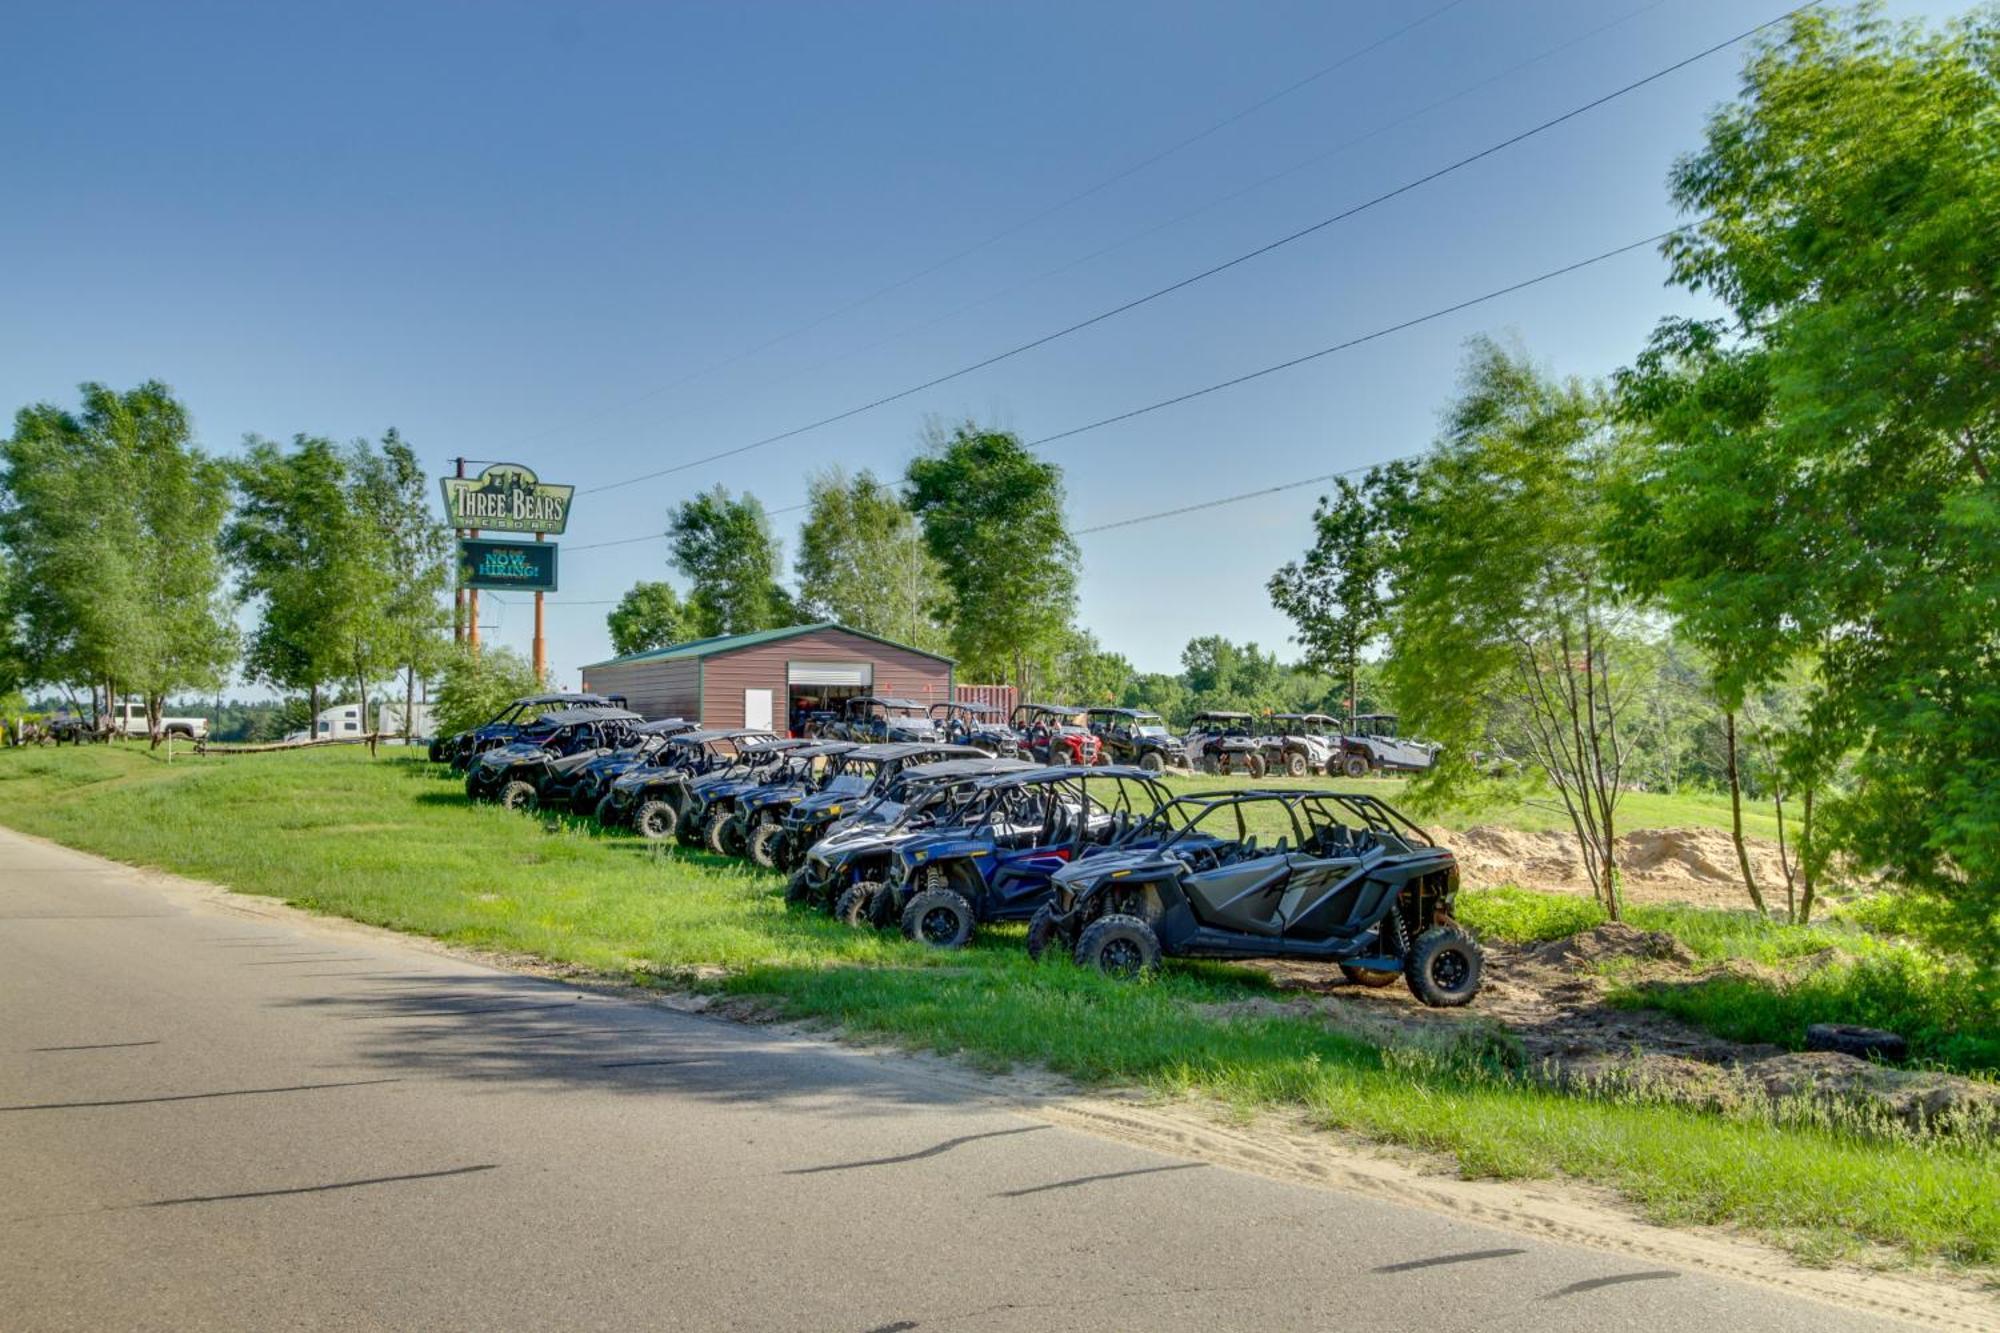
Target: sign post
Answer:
[[508, 497]]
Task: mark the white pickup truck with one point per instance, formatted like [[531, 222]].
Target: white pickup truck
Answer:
[[129, 719]]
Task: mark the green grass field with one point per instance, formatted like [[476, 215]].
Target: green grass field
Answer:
[[390, 842]]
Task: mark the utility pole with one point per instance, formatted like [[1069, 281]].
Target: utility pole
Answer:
[[541, 652], [458, 583]]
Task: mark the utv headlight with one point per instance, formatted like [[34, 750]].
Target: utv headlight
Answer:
[[833, 810]]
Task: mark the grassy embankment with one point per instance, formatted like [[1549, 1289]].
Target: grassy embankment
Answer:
[[389, 843]]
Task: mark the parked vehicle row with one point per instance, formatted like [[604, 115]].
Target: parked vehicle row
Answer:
[[1102, 861]]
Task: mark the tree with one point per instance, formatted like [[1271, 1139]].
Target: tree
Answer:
[[474, 687], [993, 518], [1504, 623], [315, 562], [862, 561], [1817, 474], [649, 615], [1086, 674], [414, 549], [111, 518], [1338, 595], [725, 548]]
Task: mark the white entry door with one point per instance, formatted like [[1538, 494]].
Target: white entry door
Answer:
[[757, 709]]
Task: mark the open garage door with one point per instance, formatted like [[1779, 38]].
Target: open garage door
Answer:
[[842, 675]]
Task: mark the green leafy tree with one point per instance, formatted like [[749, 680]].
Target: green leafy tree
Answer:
[[649, 615], [1337, 596], [1504, 622], [862, 561], [725, 548], [474, 686], [414, 551], [111, 517], [314, 561], [1817, 480], [1087, 674], [993, 518]]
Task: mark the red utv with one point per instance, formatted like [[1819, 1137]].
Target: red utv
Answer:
[[1055, 734]]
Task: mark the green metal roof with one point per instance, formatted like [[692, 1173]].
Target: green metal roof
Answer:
[[728, 643]]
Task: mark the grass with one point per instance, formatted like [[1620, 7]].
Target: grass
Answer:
[[387, 842]]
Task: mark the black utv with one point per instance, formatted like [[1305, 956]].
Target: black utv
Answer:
[[864, 775], [1267, 874], [710, 802], [543, 756], [1136, 737], [589, 783], [1225, 743], [460, 750], [876, 720], [979, 725], [845, 868], [648, 796], [759, 822]]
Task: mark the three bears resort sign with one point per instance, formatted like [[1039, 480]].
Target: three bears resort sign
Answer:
[[507, 497]]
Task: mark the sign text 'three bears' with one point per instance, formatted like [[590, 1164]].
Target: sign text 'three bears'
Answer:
[[506, 497]]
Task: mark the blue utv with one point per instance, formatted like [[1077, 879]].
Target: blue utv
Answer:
[[865, 773], [594, 779], [999, 864], [709, 814]]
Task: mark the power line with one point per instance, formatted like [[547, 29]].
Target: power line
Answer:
[[1290, 363], [1226, 265], [1384, 332], [1213, 204], [1029, 221], [1238, 499]]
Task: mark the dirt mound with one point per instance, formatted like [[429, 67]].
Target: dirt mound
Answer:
[[1604, 943], [1696, 865]]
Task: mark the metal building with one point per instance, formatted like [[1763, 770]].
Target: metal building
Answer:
[[770, 678]]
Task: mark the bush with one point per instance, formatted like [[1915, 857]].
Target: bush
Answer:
[[475, 686], [1518, 916]]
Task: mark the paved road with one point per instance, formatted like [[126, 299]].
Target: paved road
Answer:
[[218, 1120]]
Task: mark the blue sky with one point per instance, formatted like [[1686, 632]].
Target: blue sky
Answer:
[[605, 239]]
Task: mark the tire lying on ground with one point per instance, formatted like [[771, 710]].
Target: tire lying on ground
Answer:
[[1850, 1039]]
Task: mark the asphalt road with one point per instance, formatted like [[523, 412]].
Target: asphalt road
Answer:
[[214, 1119]]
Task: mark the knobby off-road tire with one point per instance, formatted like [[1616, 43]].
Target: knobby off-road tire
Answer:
[[1443, 967], [1042, 933], [1369, 977], [1355, 766], [716, 835], [798, 893], [1256, 767], [1152, 763], [851, 908], [1119, 946], [655, 820], [518, 795], [941, 918], [763, 845], [1849, 1039], [605, 814]]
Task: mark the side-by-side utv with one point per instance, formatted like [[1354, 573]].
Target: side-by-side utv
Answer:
[[648, 797], [588, 785], [1312, 876], [1225, 743], [552, 747], [865, 774], [1054, 734], [1137, 737], [461, 749], [842, 870]]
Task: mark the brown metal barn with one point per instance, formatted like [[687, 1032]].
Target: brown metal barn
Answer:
[[770, 678]]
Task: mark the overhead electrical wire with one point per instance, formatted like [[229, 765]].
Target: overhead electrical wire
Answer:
[[1289, 363], [1029, 221], [1270, 246]]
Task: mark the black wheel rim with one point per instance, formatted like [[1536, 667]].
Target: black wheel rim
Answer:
[[939, 925], [1450, 969], [1122, 958]]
